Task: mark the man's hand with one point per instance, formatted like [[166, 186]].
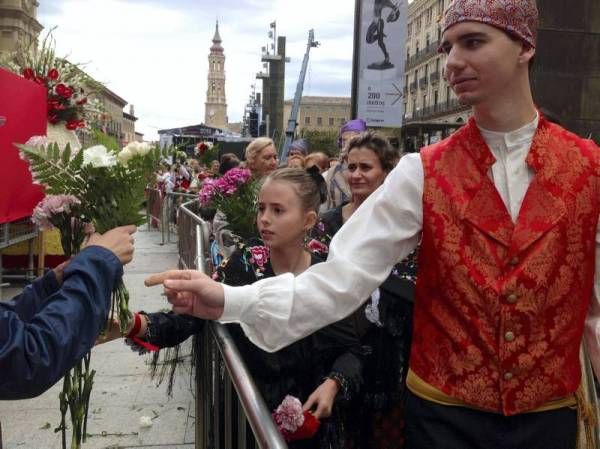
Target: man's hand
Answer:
[[118, 240], [191, 293], [322, 399]]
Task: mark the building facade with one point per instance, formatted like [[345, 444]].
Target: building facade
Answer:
[[320, 113], [215, 112], [428, 97], [128, 128], [18, 24]]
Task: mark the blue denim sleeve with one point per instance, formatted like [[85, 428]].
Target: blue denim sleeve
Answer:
[[26, 304], [35, 354]]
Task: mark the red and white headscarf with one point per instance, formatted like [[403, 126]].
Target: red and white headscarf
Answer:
[[516, 17]]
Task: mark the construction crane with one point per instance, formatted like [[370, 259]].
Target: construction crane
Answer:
[[293, 120]]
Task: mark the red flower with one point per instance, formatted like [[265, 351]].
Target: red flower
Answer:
[[39, 80], [201, 148], [53, 118], [308, 430], [82, 101], [53, 74], [60, 89], [72, 125], [28, 74]]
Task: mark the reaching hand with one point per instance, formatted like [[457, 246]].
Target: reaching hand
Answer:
[[112, 332], [191, 292], [322, 398], [118, 240]]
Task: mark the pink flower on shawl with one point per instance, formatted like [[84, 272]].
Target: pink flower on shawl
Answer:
[[260, 256]]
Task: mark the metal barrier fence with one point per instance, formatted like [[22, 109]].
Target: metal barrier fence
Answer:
[[222, 414], [12, 233], [161, 211]]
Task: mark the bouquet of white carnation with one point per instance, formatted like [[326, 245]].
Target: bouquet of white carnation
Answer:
[[99, 188]]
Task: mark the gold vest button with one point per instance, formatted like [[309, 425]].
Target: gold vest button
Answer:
[[509, 336], [512, 298], [508, 375]]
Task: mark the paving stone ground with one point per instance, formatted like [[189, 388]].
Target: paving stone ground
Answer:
[[123, 391]]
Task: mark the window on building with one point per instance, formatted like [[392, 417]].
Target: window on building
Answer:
[[319, 121], [414, 106], [341, 121], [427, 41], [331, 121], [448, 93], [426, 70], [440, 8], [437, 65], [424, 101], [417, 48], [307, 120], [435, 98]]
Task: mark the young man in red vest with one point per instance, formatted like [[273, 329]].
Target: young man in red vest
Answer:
[[507, 212]]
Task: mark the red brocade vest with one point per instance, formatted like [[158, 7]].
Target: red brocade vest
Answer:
[[500, 306]]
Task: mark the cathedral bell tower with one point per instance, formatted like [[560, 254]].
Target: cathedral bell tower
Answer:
[[215, 111]]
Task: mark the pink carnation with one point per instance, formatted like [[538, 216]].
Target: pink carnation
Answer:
[[50, 206], [289, 415]]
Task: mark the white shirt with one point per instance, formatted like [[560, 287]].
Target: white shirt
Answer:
[[277, 311]]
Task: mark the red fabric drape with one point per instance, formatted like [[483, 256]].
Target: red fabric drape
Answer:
[[23, 111]]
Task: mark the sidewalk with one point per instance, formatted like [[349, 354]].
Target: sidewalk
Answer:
[[123, 391]]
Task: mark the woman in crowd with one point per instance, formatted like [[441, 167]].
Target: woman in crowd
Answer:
[[322, 369], [321, 160], [295, 161], [261, 156], [384, 323], [228, 161], [337, 187]]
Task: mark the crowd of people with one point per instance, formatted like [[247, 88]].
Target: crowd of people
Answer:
[[433, 300]]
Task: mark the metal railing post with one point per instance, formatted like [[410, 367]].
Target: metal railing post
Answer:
[[220, 365]]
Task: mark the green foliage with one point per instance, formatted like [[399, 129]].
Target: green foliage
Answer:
[[321, 140], [100, 138], [61, 172]]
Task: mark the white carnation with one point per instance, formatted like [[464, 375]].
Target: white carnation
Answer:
[[98, 156], [125, 156], [144, 148]]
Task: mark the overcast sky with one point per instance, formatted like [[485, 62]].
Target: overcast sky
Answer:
[[153, 53]]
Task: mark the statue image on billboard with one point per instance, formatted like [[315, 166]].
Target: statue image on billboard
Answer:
[[375, 32]]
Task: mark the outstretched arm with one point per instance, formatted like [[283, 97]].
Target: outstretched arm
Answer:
[[277, 311]]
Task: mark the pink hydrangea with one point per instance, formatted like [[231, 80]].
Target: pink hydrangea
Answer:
[[208, 192], [51, 206], [289, 415], [226, 185]]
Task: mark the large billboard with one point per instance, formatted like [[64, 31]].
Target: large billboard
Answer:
[[380, 59]]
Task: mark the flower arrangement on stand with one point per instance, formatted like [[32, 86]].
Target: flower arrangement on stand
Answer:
[[68, 87], [235, 195], [92, 189]]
